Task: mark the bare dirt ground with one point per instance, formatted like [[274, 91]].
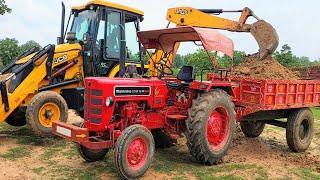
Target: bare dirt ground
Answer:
[[24, 156]]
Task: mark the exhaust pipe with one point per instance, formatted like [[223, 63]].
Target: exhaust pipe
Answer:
[[63, 15]]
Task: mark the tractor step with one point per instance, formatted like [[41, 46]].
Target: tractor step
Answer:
[[177, 117]]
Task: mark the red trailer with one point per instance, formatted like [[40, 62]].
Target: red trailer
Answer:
[[132, 116]]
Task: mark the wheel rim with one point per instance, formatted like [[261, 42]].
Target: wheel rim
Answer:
[[49, 112], [304, 129], [137, 153], [218, 128]]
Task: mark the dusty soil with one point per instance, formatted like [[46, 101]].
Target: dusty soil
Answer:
[[23, 156], [268, 68]]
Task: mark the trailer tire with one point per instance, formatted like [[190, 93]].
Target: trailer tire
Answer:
[[252, 129], [17, 118], [44, 108], [211, 126], [300, 129], [161, 139], [134, 151]]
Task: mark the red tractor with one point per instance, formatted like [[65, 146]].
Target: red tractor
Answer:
[[135, 115]]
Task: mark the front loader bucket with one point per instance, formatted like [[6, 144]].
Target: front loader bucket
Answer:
[[266, 37]]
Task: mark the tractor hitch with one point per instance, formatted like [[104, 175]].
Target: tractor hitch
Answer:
[[79, 135]]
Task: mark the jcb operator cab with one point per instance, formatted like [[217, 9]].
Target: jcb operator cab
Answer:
[[108, 33]]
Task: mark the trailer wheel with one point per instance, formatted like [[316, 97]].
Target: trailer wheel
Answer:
[[161, 140], [300, 129], [17, 118], [44, 108], [211, 126], [134, 152], [252, 129]]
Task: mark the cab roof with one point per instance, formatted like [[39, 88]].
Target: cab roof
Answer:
[[109, 4]]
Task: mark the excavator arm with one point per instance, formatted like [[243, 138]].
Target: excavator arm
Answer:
[[265, 35], [263, 32]]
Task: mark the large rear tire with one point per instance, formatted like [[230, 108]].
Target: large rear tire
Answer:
[[134, 151], [252, 129], [45, 108], [300, 129], [17, 118], [211, 126]]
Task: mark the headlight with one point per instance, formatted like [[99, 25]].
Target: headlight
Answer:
[[109, 101]]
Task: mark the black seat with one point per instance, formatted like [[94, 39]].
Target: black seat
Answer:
[[186, 74]]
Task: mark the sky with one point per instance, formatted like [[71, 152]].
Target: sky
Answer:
[[297, 22]]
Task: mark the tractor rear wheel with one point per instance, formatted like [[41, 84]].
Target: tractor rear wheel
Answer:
[[211, 126], [161, 139], [45, 108], [252, 129], [134, 151], [300, 129], [17, 118]]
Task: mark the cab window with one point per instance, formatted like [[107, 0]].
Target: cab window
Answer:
[[131, 28], [113, 35]]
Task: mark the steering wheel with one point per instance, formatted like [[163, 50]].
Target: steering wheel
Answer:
[[162, 66]]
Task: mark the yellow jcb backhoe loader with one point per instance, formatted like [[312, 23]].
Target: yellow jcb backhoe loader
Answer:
[[39, 86], [263, 32]]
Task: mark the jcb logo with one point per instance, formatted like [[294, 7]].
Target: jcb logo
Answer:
[[60, 59], [182, 11]]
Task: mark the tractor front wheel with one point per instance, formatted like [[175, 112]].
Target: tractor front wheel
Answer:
[[211, 126], [300, 129], [134, 151], [45, 108], [252, 129]]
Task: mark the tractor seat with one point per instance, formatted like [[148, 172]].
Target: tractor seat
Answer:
[[186, 75]]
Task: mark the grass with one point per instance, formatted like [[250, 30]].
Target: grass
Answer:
[[306, 173], [15, 153]]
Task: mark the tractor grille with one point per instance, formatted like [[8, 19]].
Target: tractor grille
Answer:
[[93, 105]]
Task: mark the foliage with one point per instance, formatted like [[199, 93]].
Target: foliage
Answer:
[[10, 49], [286, 57], [4, 8], [29, 45], [199, 60]]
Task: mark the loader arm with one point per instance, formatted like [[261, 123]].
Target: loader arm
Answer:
[[265, 35]]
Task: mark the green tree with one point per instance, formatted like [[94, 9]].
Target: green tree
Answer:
[[199, 60], [4, 8], [9, 50], [286, 57], [29, 45], [179, 61]]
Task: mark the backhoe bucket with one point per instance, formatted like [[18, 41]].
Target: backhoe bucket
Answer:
[[266, 36]]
